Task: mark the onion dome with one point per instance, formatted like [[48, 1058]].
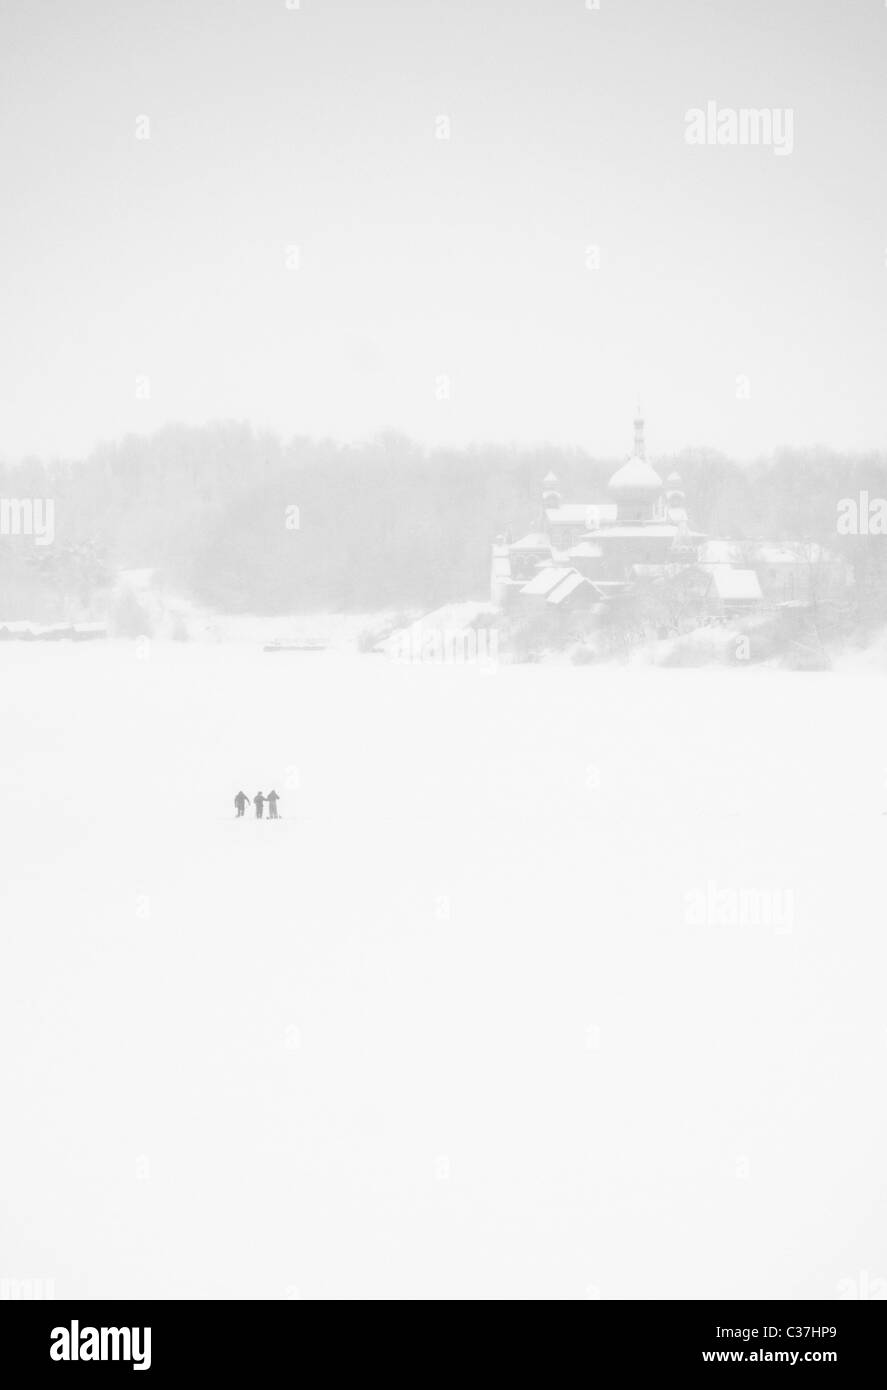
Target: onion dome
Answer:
[[636, 477]]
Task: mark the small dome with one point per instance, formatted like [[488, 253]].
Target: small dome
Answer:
[[550, 479], [636, 476]]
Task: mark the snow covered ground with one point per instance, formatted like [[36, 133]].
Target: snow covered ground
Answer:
[[558, 983]]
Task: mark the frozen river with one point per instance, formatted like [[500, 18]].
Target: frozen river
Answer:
[[550, 982]]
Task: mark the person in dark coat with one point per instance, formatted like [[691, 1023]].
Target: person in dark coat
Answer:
[[259, 803], [272, 800], [241, 801]]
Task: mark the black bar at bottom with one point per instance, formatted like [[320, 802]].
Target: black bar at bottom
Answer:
[[229, 1339]]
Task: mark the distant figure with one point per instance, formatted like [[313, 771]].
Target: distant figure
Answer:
[[272, 799], [259, 802], [241, 801]]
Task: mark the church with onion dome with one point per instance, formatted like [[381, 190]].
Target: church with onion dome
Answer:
[[582, 553]]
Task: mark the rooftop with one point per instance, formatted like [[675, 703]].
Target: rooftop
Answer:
[[586, 550], [581, 513], [735, 584], [654, 530], [573, 581], [547, 579], [536, 540], [637, 475]]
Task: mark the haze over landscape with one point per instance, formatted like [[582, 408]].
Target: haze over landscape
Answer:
[[160, 264]]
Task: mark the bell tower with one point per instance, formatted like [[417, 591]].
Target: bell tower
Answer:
[[640, 448]]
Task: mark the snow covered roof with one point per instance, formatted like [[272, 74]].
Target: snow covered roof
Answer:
[[768, 554], [547, 579], [662, 530], [456, 614], [568, 586], [791, 553], [536, 540], [581, 513], [600, 511], [735, 584], [719, 553], [586, 550], [774, 553], [636, 475], [569, 514]]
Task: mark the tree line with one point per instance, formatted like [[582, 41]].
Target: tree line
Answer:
[[243, 521]]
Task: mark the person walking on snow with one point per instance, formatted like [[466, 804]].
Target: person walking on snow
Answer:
[[241, 801], [259, 803], [272, 799]]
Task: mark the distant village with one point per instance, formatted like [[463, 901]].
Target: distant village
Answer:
[[625, 572], [629, 571], [630, 566]]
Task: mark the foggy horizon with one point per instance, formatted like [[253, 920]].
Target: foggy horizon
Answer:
[[465, 224], [467, 446]]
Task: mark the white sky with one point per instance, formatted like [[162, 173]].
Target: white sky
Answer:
[[419, 257]]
